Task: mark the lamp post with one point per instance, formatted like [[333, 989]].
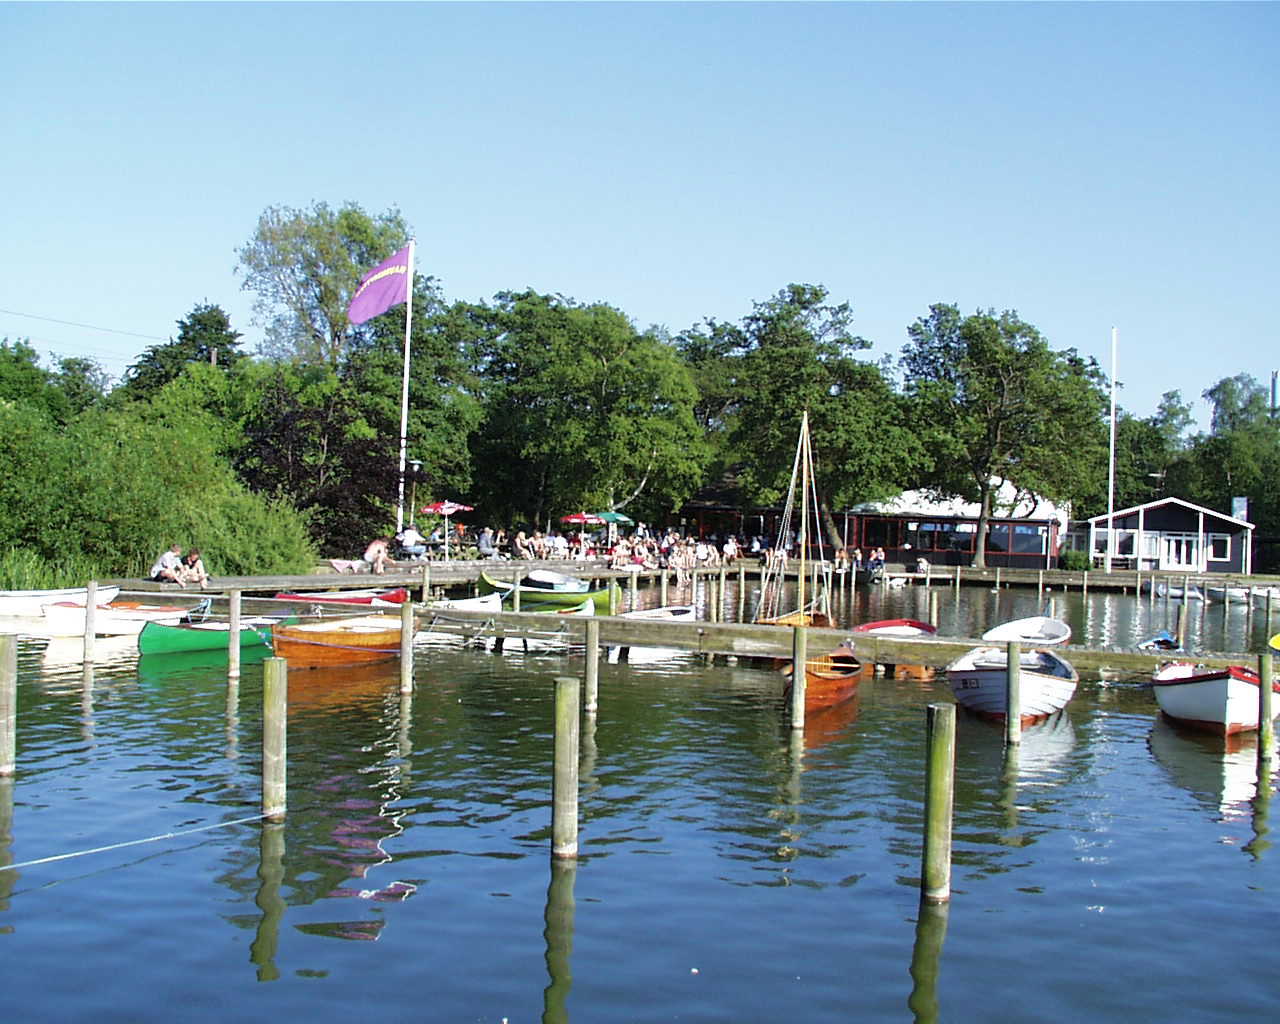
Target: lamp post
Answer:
[[415, 467]]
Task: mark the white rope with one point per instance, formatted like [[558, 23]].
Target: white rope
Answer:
[[131, 842]]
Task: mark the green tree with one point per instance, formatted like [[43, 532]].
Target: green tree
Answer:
[[304, 265], [23, 380], [83, 381], [205, 336], [581, 412], [995, 403]]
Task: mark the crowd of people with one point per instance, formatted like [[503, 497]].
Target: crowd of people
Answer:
[[172, 566]]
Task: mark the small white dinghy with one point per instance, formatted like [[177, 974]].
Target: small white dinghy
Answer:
[[1037, 629], [1223, 701], [30, 603], [978, 679], [441, 612]]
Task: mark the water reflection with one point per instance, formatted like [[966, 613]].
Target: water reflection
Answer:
[[8, 879], [266, 941], [926, 958], [558, 935]]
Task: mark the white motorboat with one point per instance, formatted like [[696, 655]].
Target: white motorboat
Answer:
[[979, 681]]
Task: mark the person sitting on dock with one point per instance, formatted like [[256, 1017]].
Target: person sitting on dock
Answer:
[[412, 542], [168, 567], [520, 546], [378, 554], [485, 545], [192, 570]]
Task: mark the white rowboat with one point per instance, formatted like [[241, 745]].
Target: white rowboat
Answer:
[[30, 603], [1218, 700], [979, 681], [1037, 629]]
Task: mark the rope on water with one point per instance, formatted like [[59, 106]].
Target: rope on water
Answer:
[[131, 842]]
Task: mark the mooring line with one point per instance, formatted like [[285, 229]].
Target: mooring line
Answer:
[[131, 842]]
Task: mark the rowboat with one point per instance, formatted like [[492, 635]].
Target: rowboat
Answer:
[[442, 613], [1216, 592], [211, 635], [979, 681], [538, 598], [1175, 591], [30, 603], [1036, 629], [639, 654], [559, 636], [829, 679], [1223, 701], [372, 597], [547, 579], [897, 627], [120, 618], [348, 641]]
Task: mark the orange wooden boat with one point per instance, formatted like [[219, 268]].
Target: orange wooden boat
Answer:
[[349, 641], [829, 679]]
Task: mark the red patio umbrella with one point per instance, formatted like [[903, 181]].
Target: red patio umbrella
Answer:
[[582, 519], [446, 509]]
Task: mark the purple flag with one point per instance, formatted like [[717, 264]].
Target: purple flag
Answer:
[[384, 286]]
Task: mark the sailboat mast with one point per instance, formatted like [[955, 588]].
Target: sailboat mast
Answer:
[[804, 509]]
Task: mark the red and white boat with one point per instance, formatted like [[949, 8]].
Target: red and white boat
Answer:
[[979, 681], [904, 628], [1218, 700], [369, 597]]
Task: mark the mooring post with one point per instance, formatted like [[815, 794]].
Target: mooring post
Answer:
[[564, 779], [1266, 719], [1084, 584], [426, 582], [742, 590], [799, 655], [515, 590], [591, 674], [1040, 584], [724, 589], [939, 795], [1180, 630], [8, 703], [275, 705], [933, 608], [1013, 693], [662, 587], [957, 579], [633, 587], [233, 635], [997, 577], [406, 647], [90, 627]]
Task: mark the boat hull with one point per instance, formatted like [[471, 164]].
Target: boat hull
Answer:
[[353, 641], [30, 603], [979, 682], [165, 638], [1222, 701], [65, 618], [368, 598], [1040, 630], [603, 599], [896, 627], [638, 654], [829, 679]]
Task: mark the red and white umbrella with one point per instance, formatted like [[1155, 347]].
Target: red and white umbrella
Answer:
[[582, 519], [446, 509]]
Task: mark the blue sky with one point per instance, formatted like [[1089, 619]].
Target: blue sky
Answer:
[[1090, 166]]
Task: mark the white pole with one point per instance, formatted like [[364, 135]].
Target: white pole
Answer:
[[404, 389], [1111, 462]]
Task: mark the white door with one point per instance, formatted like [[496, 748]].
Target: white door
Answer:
[[1180, 552]]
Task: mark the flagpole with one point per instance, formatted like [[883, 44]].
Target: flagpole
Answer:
[[404, 388], [1111, 464]]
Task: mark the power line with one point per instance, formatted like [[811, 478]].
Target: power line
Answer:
[[91, 327]]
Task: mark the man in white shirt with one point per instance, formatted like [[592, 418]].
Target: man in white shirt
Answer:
[[168, 567]]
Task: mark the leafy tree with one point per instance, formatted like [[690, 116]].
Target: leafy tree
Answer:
[[205, 336], [83, 381], [995, 403], [304, 265], [1239, 402], [581, 412], [23, 380]]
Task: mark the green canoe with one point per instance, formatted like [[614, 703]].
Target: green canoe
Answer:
[[157, 638], [537, 599]]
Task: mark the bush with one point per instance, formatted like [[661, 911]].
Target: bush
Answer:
[[1075, 561]]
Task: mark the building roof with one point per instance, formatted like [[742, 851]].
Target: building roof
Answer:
[[1173, 501], [924, 503]]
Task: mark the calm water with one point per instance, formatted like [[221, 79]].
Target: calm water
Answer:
[[1119, 870]]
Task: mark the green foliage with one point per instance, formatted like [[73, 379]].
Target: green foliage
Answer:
[[23, 381], [204, 335], [23, 569], [1074, 561], [304, 266]]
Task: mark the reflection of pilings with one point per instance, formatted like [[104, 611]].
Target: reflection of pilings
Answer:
[[8, 704], [262, 953], [8, 879], [558, 934], [86, 701], [926, 957], [404, 742], [233, 716], [1009, 787], [1259, 844], [1266, 724]]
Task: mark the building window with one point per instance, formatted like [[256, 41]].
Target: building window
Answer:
[[1219, 547], [1028, 540]]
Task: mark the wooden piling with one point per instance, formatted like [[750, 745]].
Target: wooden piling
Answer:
[[742, 591], [633, 586], [1266, 721], [515, 590], [591, 674], [957, 579], [662, 587], [406, 647], [8, 703], [1084, 584], [275, 705], [1180, 630], [564, 779], [933, 608], [799, 655], [939, 795], [233, 634], [90, 627], [1013, 693], [426, 582], [1040, 585]]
